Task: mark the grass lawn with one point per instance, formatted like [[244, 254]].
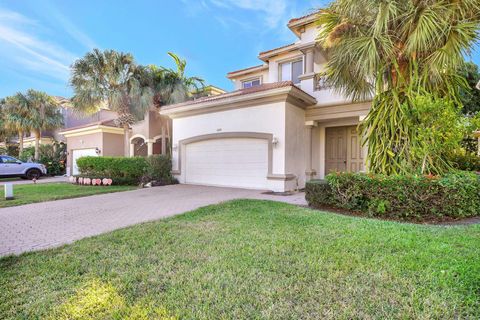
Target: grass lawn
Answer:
[[250, 259], [30, 193]]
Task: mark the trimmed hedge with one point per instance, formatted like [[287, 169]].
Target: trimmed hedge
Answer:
[[127, 170], [455, 195]]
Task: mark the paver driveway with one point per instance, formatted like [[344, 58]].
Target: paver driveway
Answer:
[[50, 224]]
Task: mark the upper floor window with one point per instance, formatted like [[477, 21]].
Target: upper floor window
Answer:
[[250, 83], [291, 71]]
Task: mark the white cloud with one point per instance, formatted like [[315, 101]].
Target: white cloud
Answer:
[[273, 12], [24, 47], [68, 26]]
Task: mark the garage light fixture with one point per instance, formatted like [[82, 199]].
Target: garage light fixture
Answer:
[[98, 151], [175, 147], [274, 141]]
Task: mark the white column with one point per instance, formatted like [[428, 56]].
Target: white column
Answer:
[[132, 149], [309, 171], [478, 146], [149, 148], [309, 61]]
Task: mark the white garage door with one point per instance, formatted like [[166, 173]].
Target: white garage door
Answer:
[[78, 154], [232, 162]]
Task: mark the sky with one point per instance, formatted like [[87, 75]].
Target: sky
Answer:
[[40, 39]]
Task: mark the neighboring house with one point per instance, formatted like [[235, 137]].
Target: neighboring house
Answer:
[[281, 126], [98, 135]]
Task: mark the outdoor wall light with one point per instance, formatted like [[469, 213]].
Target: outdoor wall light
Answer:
[[175, 147], [274, 141], [98, 151]]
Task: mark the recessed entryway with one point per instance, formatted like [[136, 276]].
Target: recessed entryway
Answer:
[[343, 150]]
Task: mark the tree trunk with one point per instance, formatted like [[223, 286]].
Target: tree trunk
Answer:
[[20, 143], [126, 128], [37, 145]]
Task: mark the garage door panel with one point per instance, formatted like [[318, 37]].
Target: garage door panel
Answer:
[[76, 154], [236, 162]]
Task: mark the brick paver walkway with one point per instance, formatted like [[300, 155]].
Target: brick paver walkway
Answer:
[[50, 224]]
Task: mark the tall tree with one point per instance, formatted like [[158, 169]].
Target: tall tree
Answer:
[[5, 133], [113, 79], [16, 117], [43, 114], [470, 96], [390, 51], [172, 85]]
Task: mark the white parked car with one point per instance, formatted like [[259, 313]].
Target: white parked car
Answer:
[[11, 167]]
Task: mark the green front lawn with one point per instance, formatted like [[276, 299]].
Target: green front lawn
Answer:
[[30, 193], [250, 259]]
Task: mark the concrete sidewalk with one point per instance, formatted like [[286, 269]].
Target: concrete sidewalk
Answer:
[[41, 180], [50, 224]]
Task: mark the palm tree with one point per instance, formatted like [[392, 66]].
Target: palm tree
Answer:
[[172, 85], [5, 133], [16, 117], [393, 51], [43, 114], [114, 79]]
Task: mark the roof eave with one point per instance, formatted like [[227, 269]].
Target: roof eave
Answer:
[[302, 99], [235, 74]]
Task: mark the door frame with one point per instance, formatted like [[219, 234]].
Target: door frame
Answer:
[[347, 145]]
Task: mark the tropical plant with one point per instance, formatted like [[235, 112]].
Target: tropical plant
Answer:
[[172, 85], [470, 96], [5, 133], [438, 127], [43, 114], [16, 117], [111, 79], [388, 51]]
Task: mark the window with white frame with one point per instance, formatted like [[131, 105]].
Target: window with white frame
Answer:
[[250, 83], [291, 71]]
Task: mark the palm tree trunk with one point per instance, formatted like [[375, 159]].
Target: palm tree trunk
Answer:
[[20, 142], [37, 145], [126, 151]]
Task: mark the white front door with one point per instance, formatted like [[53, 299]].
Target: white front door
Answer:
[[78, 154], [230, 162]]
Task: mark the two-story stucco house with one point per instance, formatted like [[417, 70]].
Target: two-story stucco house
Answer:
[[278, 129]]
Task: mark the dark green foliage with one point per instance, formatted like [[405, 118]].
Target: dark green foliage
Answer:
[[53, 156], [122, 170], [128, 171], [11, 150], [159, 170], [470, 96], [467, 162], [318, 193], [455, 195]]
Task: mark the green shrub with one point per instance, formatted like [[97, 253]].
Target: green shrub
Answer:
[[159, 170], [318, 193], [467, 161], [122, 170], [128, 170], [454, 195]]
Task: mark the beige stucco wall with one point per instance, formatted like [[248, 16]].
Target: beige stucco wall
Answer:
[[295, 148], [152, 126], [113, 144], [110, 144], [87, 141]]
